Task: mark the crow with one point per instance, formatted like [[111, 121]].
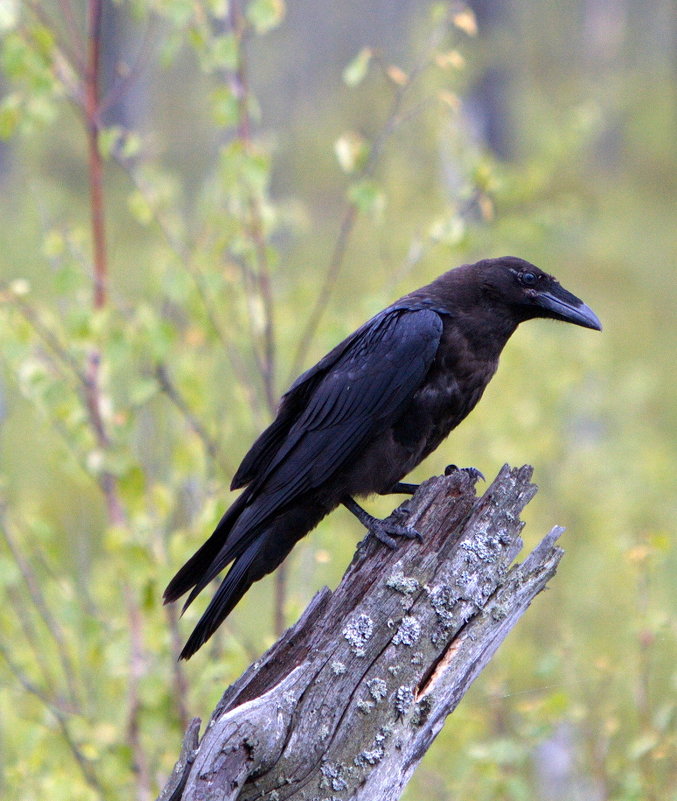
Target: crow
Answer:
[[364, 416]]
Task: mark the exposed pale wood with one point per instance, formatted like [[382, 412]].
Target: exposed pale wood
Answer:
[[347, 702]]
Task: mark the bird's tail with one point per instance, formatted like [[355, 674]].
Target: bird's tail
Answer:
[[193, 575], [239, 579], [254, 554]]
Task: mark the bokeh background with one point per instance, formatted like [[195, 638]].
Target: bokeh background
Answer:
[[272, 174]]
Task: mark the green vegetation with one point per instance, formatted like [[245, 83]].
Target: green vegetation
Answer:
[[268, 182]]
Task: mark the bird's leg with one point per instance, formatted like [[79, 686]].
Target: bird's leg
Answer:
[[473, 472], [383, 530], [400, 489]]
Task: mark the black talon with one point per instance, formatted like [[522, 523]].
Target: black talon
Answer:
[[473, 472]]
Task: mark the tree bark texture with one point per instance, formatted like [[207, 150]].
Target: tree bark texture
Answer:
[[346, 703]]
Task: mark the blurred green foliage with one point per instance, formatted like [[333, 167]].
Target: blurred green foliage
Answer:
[[251, 186]]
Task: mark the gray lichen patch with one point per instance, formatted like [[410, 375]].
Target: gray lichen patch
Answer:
[[401, 583], [332, 776], [483, 547], [408, 632], [443, 600], [499, 612], [325, 731], [338, 668], [372, 756], [378, 689], [422, 711], [289, 700], [404, 698], [365, 707], [358, 632]]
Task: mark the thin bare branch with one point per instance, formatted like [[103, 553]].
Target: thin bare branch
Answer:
[[39, 11], [22, 610], [173, 393], [85, 765], [45, 333], [38, 599], [183, 253], [75, 32], [137, 669], [181, 687]]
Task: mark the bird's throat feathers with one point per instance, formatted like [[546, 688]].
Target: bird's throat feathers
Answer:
[[474, 308]]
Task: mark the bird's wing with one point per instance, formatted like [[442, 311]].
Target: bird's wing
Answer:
[[350, 399], [327, 416], [292, 405]]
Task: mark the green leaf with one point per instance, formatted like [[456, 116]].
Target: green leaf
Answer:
[[10, 114], [356, 70], [108, 140], [140, 207], [9, 572], [67, 278], [131, 144], [223, 52], [265, 15], [53, 244], [142, 390], [367, 197], [225, 107], [448, 230]]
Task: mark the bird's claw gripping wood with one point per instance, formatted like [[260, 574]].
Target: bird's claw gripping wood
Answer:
[[386, 530], [475, 474]]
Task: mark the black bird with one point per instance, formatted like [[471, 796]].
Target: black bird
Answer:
[[366, 414]]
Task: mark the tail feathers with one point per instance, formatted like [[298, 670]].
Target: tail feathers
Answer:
[[238, 580], [206, 556]]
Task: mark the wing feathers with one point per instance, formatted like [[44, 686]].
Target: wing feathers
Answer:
[[330, 412], [359, 395]]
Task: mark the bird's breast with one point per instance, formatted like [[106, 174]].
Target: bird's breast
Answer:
[[453, 386]]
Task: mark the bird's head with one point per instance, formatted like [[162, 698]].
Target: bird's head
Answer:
[[529, 292]]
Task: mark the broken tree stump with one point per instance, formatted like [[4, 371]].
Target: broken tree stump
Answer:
[[347, 702]]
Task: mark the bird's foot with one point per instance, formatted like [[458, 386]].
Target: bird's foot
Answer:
[[384, 530], [473, 472]]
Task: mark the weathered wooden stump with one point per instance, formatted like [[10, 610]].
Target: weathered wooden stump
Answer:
[[347, 702]]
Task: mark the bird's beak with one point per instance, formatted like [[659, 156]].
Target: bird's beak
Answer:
[[562, 305]]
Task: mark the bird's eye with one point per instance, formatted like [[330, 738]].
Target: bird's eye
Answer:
[[528, 279]]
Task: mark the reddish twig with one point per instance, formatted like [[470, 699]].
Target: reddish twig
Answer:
[[92, 113]]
